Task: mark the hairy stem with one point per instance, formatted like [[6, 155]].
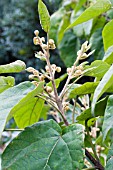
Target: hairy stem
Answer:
[[69, 77]]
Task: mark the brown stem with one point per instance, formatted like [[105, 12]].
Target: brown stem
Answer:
[[57, 98], [96, 163]]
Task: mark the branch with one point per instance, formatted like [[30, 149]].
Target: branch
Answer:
[[96, 163]]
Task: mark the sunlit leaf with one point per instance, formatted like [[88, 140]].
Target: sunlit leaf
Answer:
[[44, 16], [14, 67], [107, 35], [9, 98], [6, 82], [93, 11], [104, 84]]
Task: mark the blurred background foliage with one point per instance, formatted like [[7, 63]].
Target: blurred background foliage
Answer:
[[19, 19]]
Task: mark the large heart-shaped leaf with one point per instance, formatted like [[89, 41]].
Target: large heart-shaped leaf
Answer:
[[6, 82], [45, 146], [28, 110], [107, 35], [104, 84], [9, 98], [93, 11], [16, 66], [108, 117], [44, 16]]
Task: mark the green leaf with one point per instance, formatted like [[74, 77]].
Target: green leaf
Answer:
[[96, 42], [79, 5], [6, 82], [108, 117], [86, 88], [64, 23], [44, 146], [107, 35], [93, 11], [109, 165], [14, 67], [97, 69], [91, 122], [9, 98], [99, 111], [57, 82], [68, 48], [28, 110], [83, 29], [108, 57], [44, 16], [44, 112], [104, 84], [55, 19]]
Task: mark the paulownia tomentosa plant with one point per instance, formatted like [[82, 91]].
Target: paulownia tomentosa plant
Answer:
[[80, 136]]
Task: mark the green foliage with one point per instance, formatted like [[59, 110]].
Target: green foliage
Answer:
[[79, 101], [109, 165], [104, 84], [44, 16], [48, 147], [107, 37], [9, 98], [108, 57], [86, 88], [68, 47], [14, 67], [108, 117], [95, 10], [6, 82], [99, 111], [28, 110]]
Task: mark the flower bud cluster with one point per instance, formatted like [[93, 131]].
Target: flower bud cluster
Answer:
[[99, 149], [54, 68], [82, 52], [78, 70], [94, 131], [41, 41], [35, 74]]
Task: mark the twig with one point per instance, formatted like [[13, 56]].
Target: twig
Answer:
[[69, 78], [73, 83], [92, 146], [91, 168], [73, 112], [96, 163], [13, 129]]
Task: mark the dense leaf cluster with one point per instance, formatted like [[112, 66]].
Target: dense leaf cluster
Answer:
[[80, 136]]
